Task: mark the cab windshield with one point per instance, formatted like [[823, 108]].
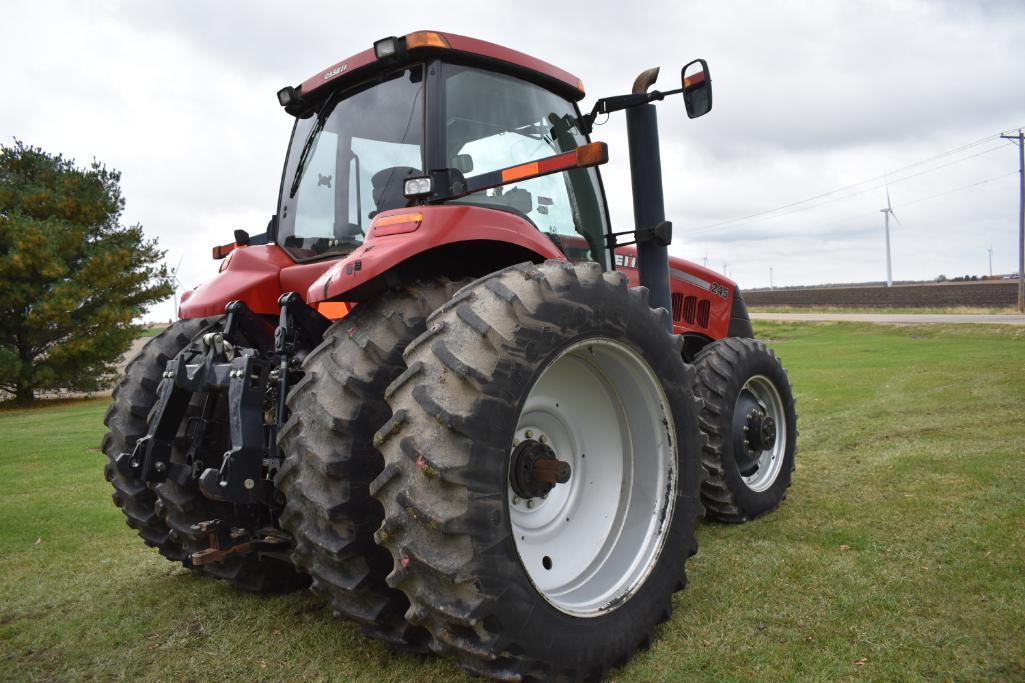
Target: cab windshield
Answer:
[[348, 162]]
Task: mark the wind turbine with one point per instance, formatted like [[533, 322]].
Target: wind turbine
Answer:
[[887, 212]]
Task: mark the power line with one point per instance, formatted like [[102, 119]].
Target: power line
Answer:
[[959, 189], [883, 177], [799, 209], [864, 214]]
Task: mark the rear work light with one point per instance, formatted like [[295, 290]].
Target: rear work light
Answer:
[[417, 187], [394, 47], [386, 47], [287, 96]]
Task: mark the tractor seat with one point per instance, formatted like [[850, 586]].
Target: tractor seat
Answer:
[[389, 187]]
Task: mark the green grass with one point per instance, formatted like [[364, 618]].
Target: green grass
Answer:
[[900, 553], [152, 330], [960, 310]]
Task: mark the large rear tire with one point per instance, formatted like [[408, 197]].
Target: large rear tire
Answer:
[[126, 420], [331, 459], [556, 362], [167, 515], [749, 417]]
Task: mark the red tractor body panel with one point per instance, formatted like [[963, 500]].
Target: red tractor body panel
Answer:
[[249, 274], [440, 225], [258, 275], [702, 298], [349, 68]]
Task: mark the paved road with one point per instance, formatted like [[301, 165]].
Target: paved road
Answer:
[[899, 318]]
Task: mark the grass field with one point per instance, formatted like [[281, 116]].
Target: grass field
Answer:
[[900, 553], [962, 310]]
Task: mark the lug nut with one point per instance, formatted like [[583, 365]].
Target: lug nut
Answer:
[[529, 434], [531, 503], [542, 439], [516, 500]]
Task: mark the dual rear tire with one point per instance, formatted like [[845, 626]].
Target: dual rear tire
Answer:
[[514, 577]]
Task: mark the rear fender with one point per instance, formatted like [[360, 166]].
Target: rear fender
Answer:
[[250, 274], [452, 226]]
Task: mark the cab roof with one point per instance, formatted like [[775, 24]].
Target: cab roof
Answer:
[[414, 45]]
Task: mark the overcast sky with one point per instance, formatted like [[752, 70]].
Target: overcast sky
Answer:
[[810, 97]]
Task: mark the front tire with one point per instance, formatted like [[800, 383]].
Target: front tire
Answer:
[[514, 363], [749, 417]]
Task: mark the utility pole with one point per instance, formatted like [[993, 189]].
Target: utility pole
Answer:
[[770, 278], [1020, 140], [990, 250]]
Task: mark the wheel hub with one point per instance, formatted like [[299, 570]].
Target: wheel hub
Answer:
[[761, 430], [754, 432], [535, 470]]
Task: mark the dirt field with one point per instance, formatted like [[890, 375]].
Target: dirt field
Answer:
[[990, 293]]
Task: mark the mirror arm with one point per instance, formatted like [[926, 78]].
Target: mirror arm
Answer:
[[661, 234], [607, 105]]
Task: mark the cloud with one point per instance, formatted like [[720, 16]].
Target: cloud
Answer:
[[808, 97]]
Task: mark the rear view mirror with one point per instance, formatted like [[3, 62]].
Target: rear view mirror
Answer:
[[697, 88]]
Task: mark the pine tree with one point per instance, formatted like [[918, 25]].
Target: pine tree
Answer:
[[72, 279]]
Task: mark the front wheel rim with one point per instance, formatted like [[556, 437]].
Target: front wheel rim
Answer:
[[770, 460], [590, 543]]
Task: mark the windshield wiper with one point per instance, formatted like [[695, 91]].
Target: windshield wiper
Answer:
[[308, 145]]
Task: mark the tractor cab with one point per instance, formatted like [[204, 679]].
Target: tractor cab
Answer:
[[418, 126]]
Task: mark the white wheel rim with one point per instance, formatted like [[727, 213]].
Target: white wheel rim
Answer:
[[591, 542], [770, 461]]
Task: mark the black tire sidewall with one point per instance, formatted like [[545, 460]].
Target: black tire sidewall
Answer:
[[756, 503]]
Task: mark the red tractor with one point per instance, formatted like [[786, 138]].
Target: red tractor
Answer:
[[434, 389]]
